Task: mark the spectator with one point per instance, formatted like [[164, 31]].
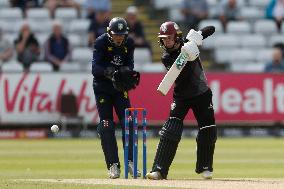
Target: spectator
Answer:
[[98, 26], [24, 4], [279, 45], [277, 62], [52, 5], [229, 11], [6, 50], [57, 47], [269, 9], [27, 46], [275, 10], [193, 11], [136, 30], [97, 5]]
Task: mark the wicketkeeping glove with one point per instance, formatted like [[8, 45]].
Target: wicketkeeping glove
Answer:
[[125, 80], [108, 72]]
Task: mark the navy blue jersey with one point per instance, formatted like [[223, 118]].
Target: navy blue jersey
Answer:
[[106, 54]]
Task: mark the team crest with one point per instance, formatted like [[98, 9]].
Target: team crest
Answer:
[[164, 28], [117, 60], [120, 26]]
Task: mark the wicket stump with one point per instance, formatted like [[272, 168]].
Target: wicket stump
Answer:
[[132, 113]]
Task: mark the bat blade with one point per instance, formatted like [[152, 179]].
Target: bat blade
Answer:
[[172, 74]]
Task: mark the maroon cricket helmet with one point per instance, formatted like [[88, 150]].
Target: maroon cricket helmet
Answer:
[[169, 28]]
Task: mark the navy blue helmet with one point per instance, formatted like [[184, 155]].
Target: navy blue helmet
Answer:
[[118, 26]]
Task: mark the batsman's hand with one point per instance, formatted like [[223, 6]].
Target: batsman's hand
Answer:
[[191, 49], [195, 36], [125, 80]]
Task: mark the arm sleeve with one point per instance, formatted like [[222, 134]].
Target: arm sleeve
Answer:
[[98, 66], [130, 54], [167, 61]]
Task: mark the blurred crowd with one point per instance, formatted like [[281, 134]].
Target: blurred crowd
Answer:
[[237, 19], [57, 47], [61, 32]]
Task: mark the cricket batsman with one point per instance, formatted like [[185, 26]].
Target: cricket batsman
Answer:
[[191, 91]]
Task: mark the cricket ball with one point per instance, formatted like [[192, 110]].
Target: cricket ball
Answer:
[[54, 128]]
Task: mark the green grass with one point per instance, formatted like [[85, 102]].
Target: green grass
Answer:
[[83, 159]]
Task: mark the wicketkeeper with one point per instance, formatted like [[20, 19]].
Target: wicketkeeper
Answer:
[[112, 68], [191, 91]]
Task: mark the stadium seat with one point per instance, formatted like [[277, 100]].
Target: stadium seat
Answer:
[[216, 23], [264, 55], [7, 27], [38, 14], [223, 55], [82, 55], [258, 3], [227, 41], [213, 11], [41, 67], [266, 27], [12, 66], [239, 27], [241, 3], [11, 37], [79, 26], [75, 40], [42, 38], [41, 27], [66, 14], [164, 4], [4, 4], [251, 13], [71, 67], [18, 25], [142, 56], [11, 14], [251, 67], [81, 2], [212, 2], [242, 55], [253, 41], [209, 42], [278, 38], [175, 14]]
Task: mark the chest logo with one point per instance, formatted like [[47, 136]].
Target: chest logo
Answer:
[[116, 60]]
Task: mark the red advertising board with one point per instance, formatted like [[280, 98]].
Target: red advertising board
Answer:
[[33, 98], [236, 97]]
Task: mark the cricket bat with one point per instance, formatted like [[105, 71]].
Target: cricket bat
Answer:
[[173, 73], [179, 64]]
